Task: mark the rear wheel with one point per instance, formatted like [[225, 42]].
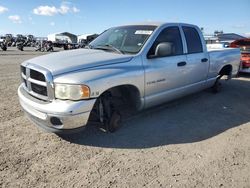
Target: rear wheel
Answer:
[[225, 71], [217, 85]]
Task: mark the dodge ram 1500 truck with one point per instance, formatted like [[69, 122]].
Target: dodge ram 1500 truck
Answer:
[[136, 66]]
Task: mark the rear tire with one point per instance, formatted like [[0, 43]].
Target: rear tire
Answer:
[[217, 86]]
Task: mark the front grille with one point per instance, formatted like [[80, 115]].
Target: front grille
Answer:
[[41, 90], [37, 75], [35, 82]]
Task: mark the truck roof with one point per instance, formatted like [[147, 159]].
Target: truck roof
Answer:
[[148, 23], [157, 23]]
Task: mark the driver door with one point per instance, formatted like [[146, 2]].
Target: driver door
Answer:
[[165, 75]]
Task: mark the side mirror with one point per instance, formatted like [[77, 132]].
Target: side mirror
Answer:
[[164, 49]]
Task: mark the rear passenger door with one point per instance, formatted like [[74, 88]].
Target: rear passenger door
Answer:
[[197, 57]]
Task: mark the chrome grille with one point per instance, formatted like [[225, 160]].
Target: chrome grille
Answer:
[[37, 75], [37, 82], [39, 89]]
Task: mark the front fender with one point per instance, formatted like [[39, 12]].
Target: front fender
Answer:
[[100, 79]]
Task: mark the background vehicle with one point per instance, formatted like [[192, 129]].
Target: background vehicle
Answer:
[[44, 46], [20, 42], [85, 40], [9, 39], [129, 67], [39, 46], [244, 45], [49, 46], [218, 45], [30, 41], [20, 46], [3, 44]]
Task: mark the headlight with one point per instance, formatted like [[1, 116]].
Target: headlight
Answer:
[[71, 92]]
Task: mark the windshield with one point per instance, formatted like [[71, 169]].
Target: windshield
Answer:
[[125, 39]]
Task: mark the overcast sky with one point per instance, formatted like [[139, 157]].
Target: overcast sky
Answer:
[[42, 17]]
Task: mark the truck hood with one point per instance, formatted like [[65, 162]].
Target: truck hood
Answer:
[[72, 60]]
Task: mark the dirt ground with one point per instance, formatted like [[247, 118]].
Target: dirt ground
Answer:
[[202, 140]]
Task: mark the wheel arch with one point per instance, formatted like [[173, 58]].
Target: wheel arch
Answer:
[[129, 92], [226, 70]]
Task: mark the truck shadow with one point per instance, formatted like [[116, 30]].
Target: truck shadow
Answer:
[[191, 119]]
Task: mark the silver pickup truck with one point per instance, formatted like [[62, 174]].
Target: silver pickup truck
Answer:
[[128, 67]]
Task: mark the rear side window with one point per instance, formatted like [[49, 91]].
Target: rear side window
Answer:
[[193, 40], [171, 35]]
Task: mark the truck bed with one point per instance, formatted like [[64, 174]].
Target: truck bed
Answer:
[[219, 57]]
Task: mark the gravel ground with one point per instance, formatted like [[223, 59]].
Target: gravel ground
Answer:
[[202, 140]]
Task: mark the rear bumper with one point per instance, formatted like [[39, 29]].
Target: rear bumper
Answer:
[[56, 116]]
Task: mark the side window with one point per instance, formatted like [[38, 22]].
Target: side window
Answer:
[[193, 40], [171, 35]]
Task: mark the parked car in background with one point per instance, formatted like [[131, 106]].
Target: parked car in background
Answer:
[[30, 41], [44, 46], [244, 45], [218, 45]]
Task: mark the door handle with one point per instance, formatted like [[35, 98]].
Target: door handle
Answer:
[[183, 63], [204, 60]]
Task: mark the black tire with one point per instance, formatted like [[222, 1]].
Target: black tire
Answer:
[[20, 48], [107, 114], [65, 47], [217, 86], [114, 122], [4, 48]]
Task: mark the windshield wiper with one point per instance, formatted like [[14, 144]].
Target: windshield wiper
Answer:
[[108, 47]]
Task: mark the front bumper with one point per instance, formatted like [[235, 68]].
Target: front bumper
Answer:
[[57, 115]]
